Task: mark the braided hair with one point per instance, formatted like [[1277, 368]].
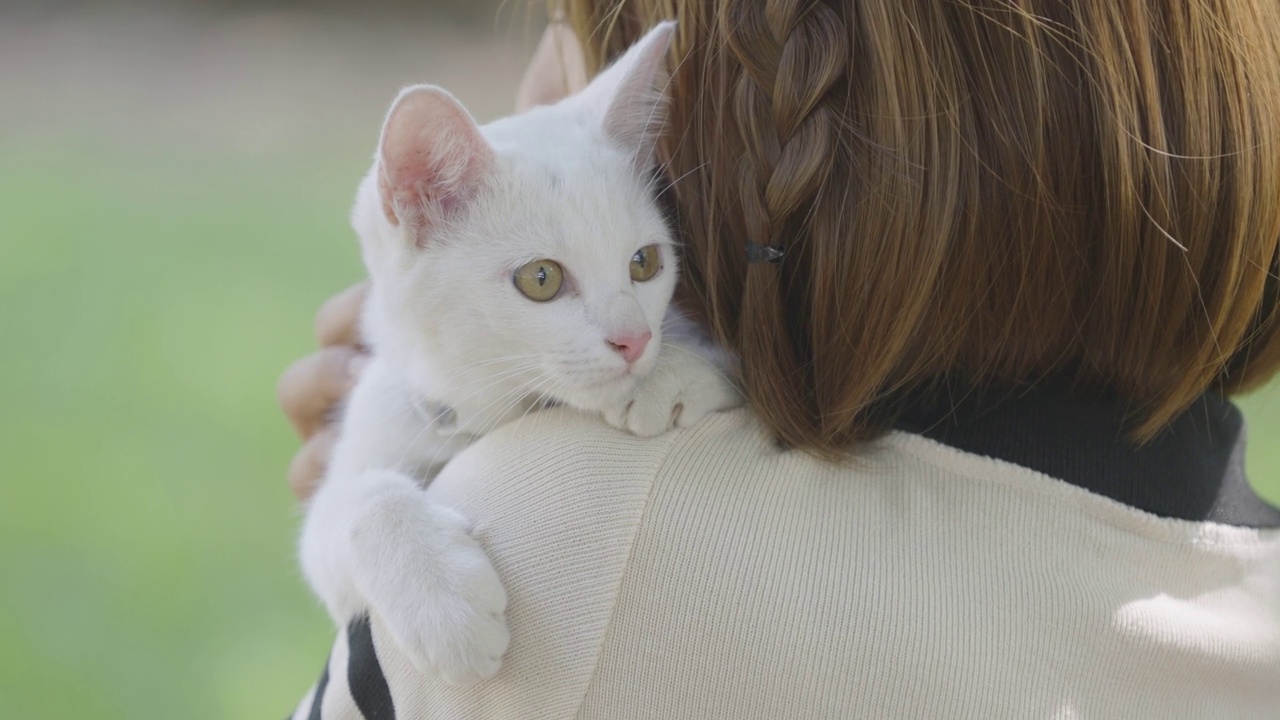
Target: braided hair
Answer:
[[876, 197]]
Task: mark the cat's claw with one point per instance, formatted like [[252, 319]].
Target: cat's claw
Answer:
[[679, 392], [434, 589]]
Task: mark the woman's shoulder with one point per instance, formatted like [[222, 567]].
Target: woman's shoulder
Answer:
[[635, 566], [560, 462], [574, 452]]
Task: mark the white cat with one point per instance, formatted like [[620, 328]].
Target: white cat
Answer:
[[512, 265]]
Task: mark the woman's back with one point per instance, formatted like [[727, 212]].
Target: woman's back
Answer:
[[709, 574]]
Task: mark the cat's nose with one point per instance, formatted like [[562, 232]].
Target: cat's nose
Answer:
[[630, 346]]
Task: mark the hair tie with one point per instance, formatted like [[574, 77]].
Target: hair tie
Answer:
[[765, 253]]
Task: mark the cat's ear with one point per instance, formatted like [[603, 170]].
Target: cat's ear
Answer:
[[630, 97], [431, 158]]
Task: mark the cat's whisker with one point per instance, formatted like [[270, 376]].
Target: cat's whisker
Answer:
[[503, 359], [446, 444], [687, 173], [669, 347], [657, 110], [543, 401], [509, 400], [492, 414], [498, 417], [430, 426], [453, 376], [492, 380], [505, 376]]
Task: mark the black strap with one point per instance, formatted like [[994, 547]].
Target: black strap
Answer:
[[364, 673], [317, 698]]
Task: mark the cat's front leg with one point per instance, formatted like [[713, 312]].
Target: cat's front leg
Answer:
[[691, 379], [424, 574], [415, 564], [371, 541]]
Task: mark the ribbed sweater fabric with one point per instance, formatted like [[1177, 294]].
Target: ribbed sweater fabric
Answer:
[[708, 574]]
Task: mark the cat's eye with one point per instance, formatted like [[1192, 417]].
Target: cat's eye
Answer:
[[646, 263], [540, 280]]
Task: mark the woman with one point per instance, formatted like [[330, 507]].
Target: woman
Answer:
[[991, 268]]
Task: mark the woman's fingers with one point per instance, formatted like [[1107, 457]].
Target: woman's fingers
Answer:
[[556, 70], [338, 320], [308, 464], [313, 386]]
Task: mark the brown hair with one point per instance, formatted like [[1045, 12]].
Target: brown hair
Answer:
[[1003, 190]]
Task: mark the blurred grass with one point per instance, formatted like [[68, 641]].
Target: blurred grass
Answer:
[[1262, 411], [149, 296], [174, 189], [146, 535]]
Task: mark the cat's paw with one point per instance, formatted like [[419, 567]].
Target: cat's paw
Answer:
[[433, 587], [679, 392]]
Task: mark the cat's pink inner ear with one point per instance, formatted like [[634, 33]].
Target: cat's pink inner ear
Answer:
[[432, 158]]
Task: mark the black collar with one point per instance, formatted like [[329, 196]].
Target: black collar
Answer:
[[1193, 470]]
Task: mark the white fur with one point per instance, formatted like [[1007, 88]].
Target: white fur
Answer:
[[445, 217]]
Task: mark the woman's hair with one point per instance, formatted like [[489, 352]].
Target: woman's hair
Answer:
[[997, 190]]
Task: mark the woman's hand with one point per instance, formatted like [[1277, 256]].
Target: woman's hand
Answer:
[[556, 70], [311, 389]]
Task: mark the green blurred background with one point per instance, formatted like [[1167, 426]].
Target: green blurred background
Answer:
[[174, 187], [174, 182]]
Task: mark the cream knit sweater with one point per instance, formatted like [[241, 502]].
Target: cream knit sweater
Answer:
[[706, 574]]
